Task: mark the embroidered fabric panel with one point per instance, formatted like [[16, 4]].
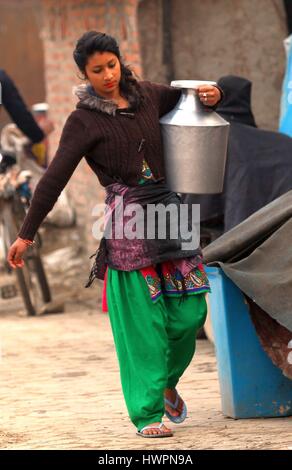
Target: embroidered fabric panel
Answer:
[[146, 174], [167, 280]]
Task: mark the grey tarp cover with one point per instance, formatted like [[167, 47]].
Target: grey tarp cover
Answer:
[[257, 256]]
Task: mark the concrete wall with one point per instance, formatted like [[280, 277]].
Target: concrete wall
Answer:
[[212, 38], [150, 36]]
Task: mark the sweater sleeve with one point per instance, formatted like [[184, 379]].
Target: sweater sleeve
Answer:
[[74, 144], [16, 108]]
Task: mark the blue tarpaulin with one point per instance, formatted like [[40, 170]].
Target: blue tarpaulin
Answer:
[[285, 124]]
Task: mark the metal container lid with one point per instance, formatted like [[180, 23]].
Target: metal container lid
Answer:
[[191, 83]]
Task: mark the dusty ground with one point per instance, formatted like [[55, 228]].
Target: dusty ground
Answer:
[[60, 385], [60, 389]]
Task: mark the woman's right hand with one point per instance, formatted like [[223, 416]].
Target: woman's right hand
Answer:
[[15, 253]]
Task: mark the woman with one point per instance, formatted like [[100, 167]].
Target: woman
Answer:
[[116, 128]]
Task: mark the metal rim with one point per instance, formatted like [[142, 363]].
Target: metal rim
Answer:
[[191, 83]]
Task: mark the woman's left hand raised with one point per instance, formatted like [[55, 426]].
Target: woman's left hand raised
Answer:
[[209, 94]]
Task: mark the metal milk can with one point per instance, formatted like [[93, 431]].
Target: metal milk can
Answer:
[[195, 143]]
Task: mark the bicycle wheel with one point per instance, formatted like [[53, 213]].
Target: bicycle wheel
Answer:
[[41, 276], [23, 274], [33, 255], [31, 278]]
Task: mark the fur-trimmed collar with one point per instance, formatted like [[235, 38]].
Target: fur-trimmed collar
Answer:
[[89, 99]]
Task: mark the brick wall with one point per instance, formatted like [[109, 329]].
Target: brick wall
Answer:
[[64, 21]]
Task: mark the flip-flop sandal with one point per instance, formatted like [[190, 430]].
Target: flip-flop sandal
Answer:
[[180, 418], [162, 434]]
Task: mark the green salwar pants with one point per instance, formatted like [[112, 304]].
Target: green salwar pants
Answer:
[[155, 341]]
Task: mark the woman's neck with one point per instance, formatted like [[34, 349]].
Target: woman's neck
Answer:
[[111, 95]]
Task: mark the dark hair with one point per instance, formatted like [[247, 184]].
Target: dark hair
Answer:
[[94, 41]]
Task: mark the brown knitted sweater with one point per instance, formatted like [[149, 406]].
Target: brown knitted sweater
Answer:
[[110, 140]]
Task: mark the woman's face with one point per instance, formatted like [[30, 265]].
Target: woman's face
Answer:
[[103, 70]]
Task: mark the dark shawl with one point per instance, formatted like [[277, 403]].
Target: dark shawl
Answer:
[[124, 254]]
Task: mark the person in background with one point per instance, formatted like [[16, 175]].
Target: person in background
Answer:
[[14, 104], [40, 150]]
